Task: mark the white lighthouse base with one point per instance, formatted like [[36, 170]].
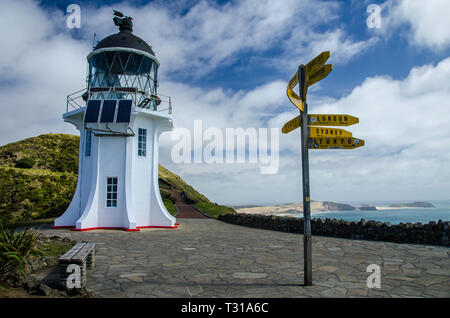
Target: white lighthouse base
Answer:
[[138, 200]]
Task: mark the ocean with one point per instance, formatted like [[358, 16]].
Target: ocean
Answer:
[[394, 216]]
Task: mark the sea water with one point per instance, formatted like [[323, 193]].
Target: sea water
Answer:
[[394, 216]]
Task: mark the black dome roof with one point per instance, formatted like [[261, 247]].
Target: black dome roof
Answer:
[[124, 39]]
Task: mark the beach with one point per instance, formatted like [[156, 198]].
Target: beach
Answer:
[[284, 210], [383, 212]]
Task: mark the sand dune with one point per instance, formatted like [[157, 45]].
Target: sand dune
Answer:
[[295, 208], [316, 207]]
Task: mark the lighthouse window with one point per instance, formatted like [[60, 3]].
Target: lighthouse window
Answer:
[[142, 142], [87, 146], [111, 192]]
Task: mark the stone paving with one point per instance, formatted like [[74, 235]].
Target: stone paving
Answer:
[[210, 258]]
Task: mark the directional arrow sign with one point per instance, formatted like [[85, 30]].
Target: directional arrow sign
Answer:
[[328, 132], [335, 143], [314, 74], [291, 125], [322, 120], [293, 97], [316, 62], [293, 81], [320, 74], [331, 120]]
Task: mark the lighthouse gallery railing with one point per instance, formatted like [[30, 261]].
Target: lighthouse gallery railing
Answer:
[[78, 99]]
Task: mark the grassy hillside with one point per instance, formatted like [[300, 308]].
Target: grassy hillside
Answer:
[[28, 194], [53, 152], [38, 177]]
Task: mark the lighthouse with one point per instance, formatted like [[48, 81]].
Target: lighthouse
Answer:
[[120, 117]]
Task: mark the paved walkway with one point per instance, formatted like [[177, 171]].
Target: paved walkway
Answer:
[[185, 211], [209, 258]]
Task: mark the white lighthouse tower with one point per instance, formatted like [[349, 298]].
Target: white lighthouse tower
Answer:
[[119, 130]]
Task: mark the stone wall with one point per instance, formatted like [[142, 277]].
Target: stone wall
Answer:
[[432, 233]]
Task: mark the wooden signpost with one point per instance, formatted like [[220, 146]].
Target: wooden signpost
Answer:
[[314, 136]]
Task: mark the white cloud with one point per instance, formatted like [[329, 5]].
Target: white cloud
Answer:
[[405, 124], [44, 63], [208, 35], [40, 67], [428, 21], [336, 41], [16, 25]]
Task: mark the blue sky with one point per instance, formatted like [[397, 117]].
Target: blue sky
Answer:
[[227, 63], [393, 55]]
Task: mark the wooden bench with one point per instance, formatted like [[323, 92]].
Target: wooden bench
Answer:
[[82, 254]]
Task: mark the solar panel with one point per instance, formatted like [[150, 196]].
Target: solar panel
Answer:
[[124, 111], [92, 111], [108, 111]]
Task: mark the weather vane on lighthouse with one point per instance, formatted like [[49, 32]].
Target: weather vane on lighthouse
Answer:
[[119, 130], [122, 21]]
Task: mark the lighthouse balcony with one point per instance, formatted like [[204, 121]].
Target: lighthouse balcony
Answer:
[[140, 99]]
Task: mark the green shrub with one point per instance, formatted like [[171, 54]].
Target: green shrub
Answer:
[[34, 194], [26, 163], [166, 195], [214, 210], [15, 249], [170, 207]]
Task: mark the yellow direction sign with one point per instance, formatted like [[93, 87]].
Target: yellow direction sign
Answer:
[[335, 143], [314, 73], [317, 62], [328, 132], [331, 120], [293, 81], [293, 97], [291, 125], [323, 120], [320, 74]]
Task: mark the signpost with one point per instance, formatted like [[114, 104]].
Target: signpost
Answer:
[[335, 143], [307, 240], [317, 62], [320, 74], [295, 100], [331, 120], [316, 120], [313, 137], [328, 132], [291, 125], [293, 97]]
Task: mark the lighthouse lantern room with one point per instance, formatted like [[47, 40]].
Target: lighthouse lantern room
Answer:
[[119, 126]]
